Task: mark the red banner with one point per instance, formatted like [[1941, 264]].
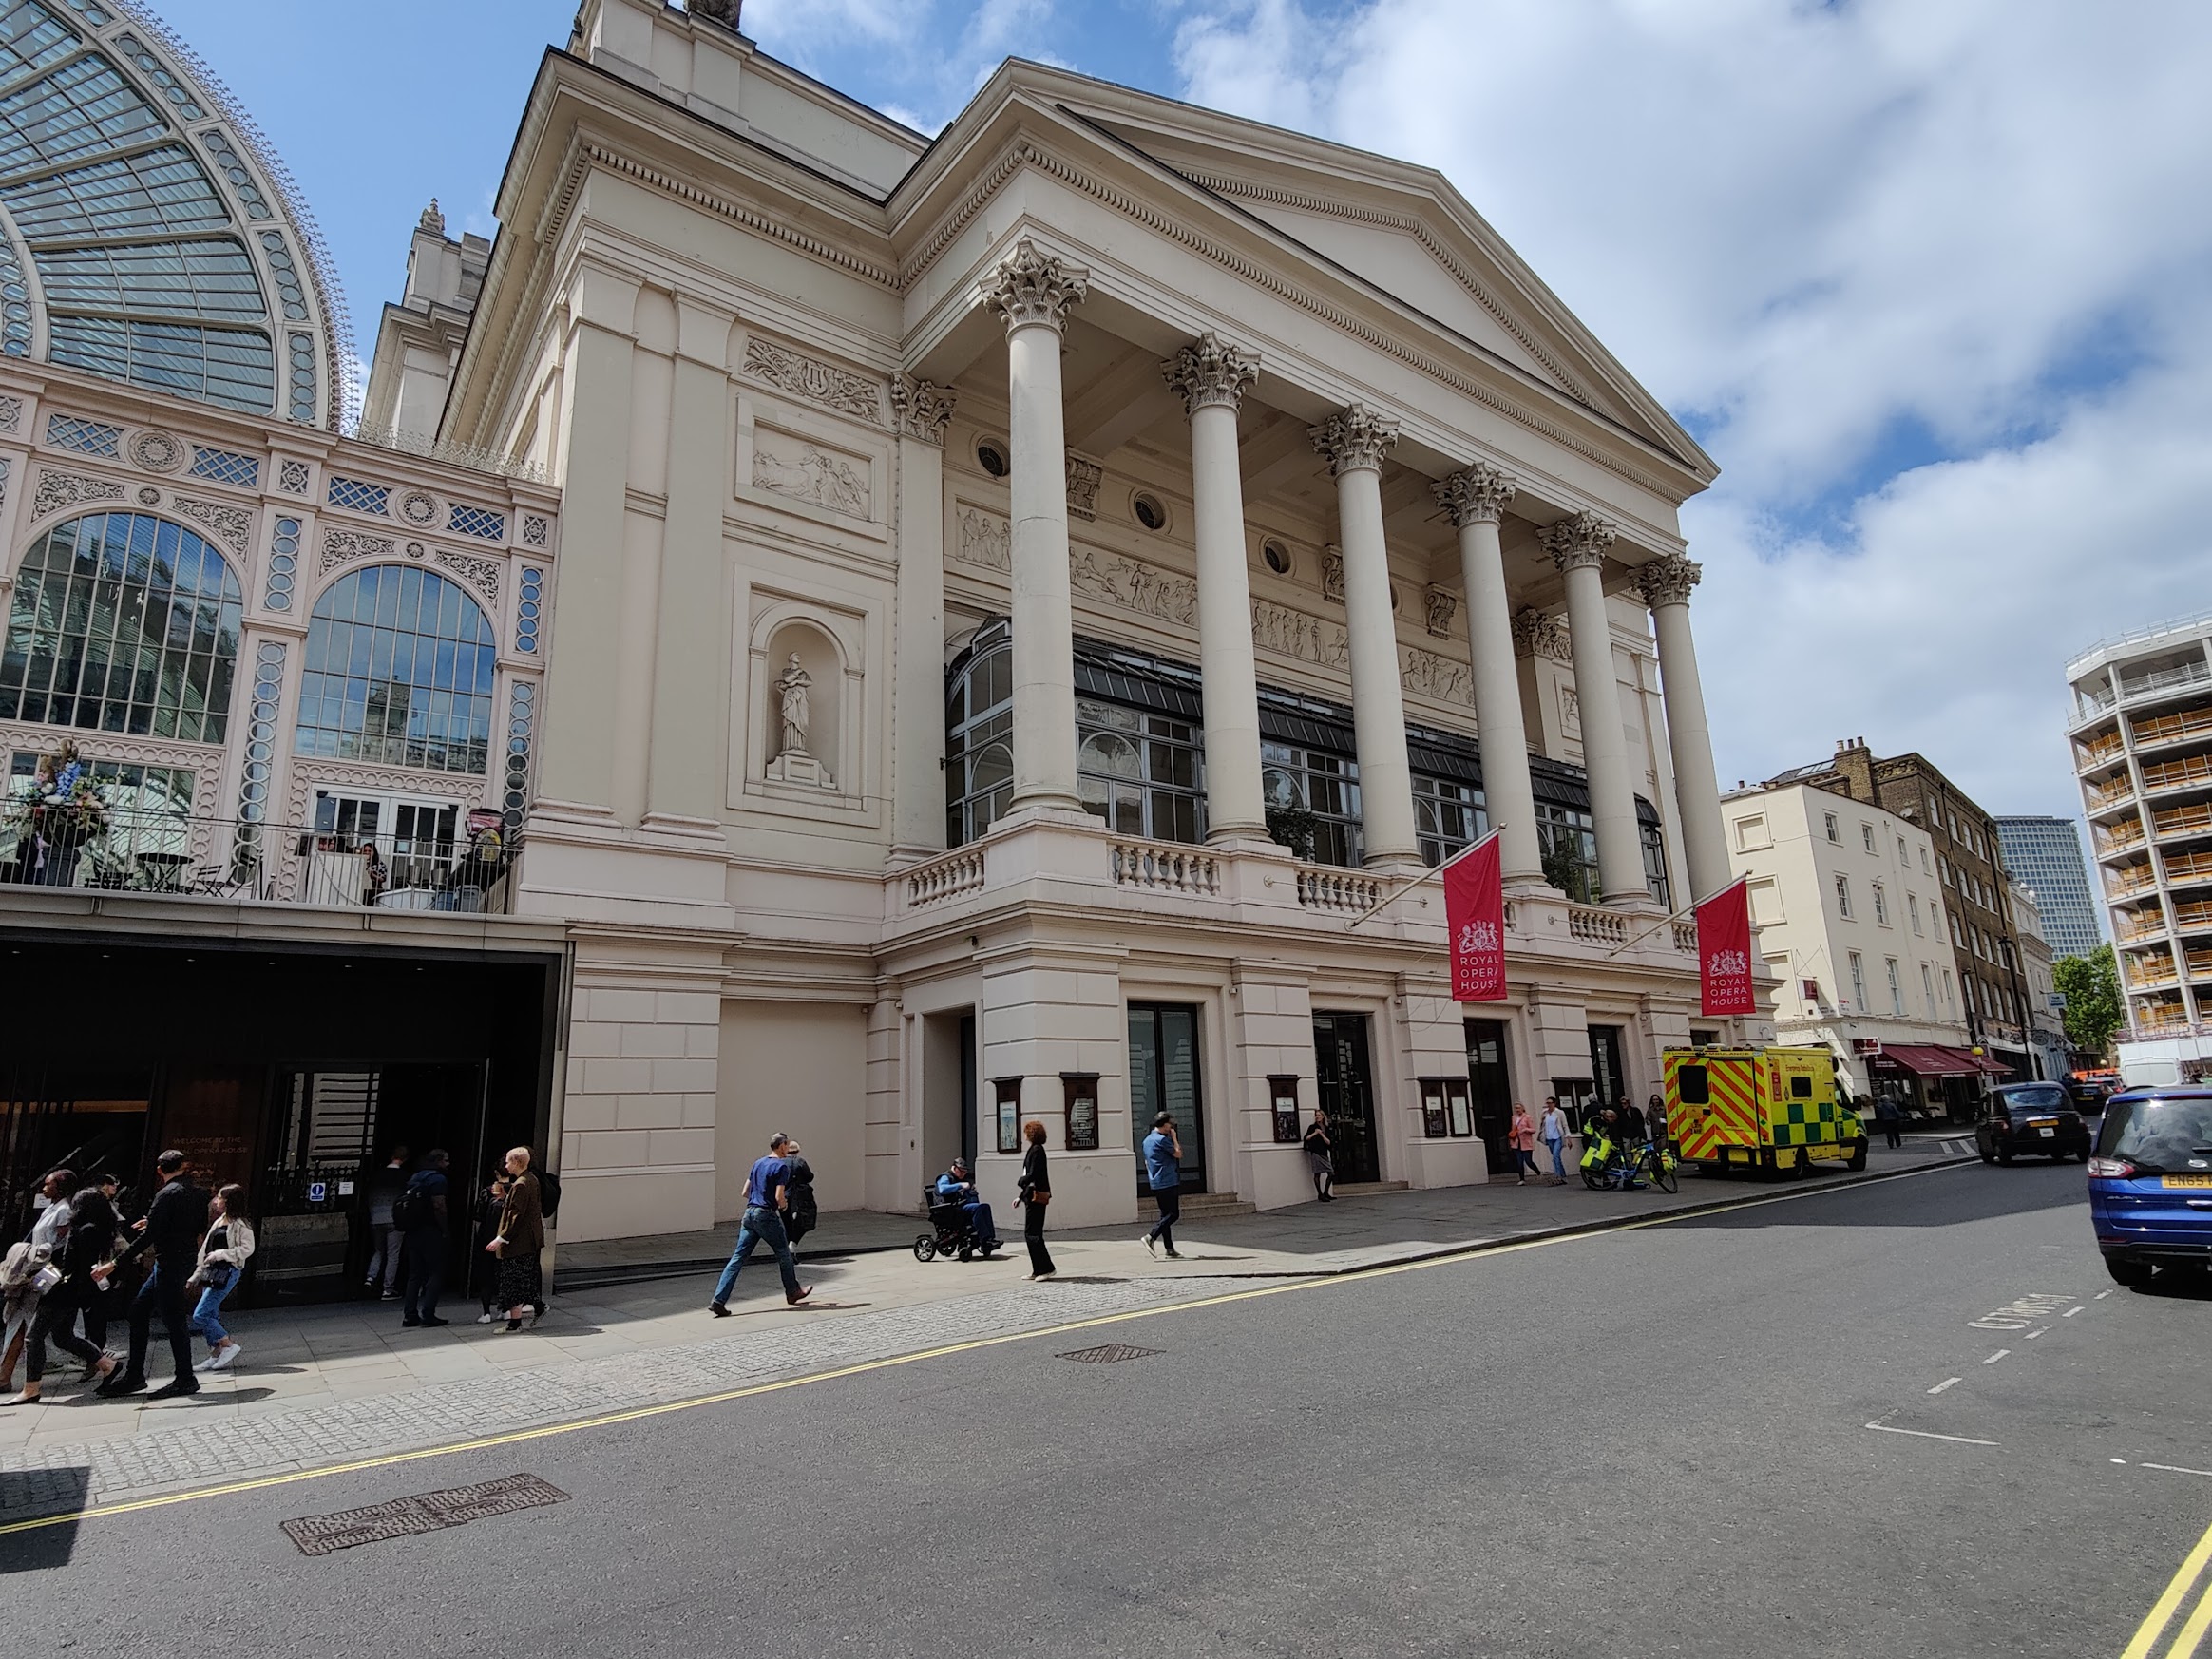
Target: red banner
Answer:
[[1724, 951], [1474, 914]]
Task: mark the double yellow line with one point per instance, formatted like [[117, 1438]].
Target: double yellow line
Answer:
[[2161, 1613]]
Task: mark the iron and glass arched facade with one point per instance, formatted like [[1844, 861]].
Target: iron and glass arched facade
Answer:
[[145, 235], [123, 622], [399, 672]]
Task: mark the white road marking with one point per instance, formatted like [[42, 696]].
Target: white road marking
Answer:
[[2176, 1469], [2037, 1331], [2121, 1462], [1924, 1434], [2069, 1313], [1945, 1383], [2023, 1313], [2099, 1296], [1996, 1357]]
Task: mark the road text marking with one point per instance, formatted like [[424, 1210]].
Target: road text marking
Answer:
[[1925, 1435], [2023, 1313], [1945, 1383]]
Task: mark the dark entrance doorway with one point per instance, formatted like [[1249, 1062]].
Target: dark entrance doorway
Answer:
[[1607, 1076], [1347, 1094], [1492, 1093], [1163, 1076]]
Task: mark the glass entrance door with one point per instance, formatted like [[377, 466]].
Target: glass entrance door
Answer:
[[1163, 1076], [364, 846], [1347, 1094], [1493, 1092]]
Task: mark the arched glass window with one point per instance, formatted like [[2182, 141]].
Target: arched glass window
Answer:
[[123, 622], [1140, 773], [978, 736], [399, 672]]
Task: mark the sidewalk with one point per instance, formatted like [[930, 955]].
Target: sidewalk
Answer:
[[322, 1383]]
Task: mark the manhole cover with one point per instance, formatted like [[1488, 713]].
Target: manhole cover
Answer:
[[1109, 1354], [426, 1512]]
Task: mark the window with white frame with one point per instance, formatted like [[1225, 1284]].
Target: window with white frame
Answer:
[[1897, 987], [1765, 902], [1866, 836], [1950, 998], [1881, 905], [1928, 990], [1924, 870], [1913, 910], [1835, 833], [1858, 980], [1844, 896], [1904, 854]]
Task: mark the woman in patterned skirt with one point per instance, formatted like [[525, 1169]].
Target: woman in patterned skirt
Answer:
[[519, 1241]]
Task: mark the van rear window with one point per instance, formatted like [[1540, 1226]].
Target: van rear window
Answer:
[[1801, 1087], [2168, 1137], [1689, 1085]]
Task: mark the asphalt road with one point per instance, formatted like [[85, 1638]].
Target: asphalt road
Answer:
[[1650, 1442]]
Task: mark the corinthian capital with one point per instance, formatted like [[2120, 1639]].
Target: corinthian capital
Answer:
[[923, 408], [1354, 437], [1209, 372], [1537, 634], [1477, 496], [1031, 286], [1666, 581], [1578, 542]]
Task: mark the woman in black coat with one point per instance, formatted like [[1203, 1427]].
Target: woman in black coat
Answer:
[[1036, 1194], [93, 1227]]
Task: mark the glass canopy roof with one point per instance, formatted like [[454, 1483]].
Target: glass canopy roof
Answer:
[[143, 235]]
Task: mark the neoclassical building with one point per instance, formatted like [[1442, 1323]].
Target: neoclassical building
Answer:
[[1002, 625]]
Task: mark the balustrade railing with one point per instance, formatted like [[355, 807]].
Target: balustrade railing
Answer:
[[1165, 867], [2190, 867], [961, 872], [2162, 728], [2192, 916], [1686, 937], [2179, 775], [2103, 749], [1599, 926], [2194, 819], [1320, 888], [2105, 795], [2141, 882], [2148, 925], [2128, 835], [2166, 679]]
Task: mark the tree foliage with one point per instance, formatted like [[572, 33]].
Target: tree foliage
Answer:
[[2091, 988]]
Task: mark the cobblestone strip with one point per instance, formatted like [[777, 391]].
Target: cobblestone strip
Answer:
[[96, 1471]]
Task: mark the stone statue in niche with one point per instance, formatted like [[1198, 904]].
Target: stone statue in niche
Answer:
[[792, 763]]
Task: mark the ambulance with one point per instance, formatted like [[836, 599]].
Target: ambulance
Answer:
[[1768, 1110]]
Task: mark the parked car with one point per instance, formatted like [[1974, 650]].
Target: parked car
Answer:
[[2150, 1181], [2035, 1118]]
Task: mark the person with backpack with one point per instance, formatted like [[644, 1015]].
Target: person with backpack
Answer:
[[385, 1240], [800, 1212], [419, 1213]]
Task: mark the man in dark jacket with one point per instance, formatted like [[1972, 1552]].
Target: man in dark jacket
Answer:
[[424, 1227], [171, 1230]]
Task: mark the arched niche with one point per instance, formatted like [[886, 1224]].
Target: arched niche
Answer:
[[801, 715]]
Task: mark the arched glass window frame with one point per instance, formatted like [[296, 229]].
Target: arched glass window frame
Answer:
[[183, 692], [448, 724], [1314, 795], [979, 734], [1449, 815], [1656, 877], [1161, 794]]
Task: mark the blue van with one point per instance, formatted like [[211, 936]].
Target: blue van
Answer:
[[2150, 1181]]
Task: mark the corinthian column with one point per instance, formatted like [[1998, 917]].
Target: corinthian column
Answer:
[[1355, 442], [1665, 584], [1033, 290], [1476, 499], [1578, 546], [1213, 379]]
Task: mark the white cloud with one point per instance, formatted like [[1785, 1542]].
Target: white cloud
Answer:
[[1825, 233]]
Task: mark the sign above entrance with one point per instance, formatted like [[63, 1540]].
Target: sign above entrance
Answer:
[[1475, 915]]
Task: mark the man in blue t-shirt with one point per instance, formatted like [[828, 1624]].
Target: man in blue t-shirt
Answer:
[[956, 1186], [767, 1190], [1163, 1172]]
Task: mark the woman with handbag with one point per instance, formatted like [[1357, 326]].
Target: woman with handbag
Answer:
[[1036, 1192], [484, 1262], [88, 1245], [222, 1260], [519, 1240]]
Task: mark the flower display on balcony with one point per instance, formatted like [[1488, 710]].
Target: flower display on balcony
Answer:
[[52, 822]]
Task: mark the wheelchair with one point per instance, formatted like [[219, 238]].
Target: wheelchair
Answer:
[[950, 1233]]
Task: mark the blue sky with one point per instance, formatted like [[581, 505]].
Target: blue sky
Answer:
[[1931, 282]]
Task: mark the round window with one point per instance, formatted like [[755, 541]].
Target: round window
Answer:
[[991, 456], [1149, 512], [1276, 557]]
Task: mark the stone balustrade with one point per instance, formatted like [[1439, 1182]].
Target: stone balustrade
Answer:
[[1323, 888], [960, 871], [1686, 937], [1165, 867], [1599, 926]]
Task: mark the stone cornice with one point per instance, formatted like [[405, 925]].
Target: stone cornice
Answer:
[[922, 407], [1354, 437], [1666, 581], [1578, 542], [1209, 372], [1477, 495], [1030, 288]]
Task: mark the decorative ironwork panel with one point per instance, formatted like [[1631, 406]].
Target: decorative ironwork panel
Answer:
[[283, 565], [87, 437], [526, 611], [356, 496], [226, 467], [479, 522]]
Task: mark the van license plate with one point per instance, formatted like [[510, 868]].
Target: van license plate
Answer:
[[2171, 1182], [2047, 1133]]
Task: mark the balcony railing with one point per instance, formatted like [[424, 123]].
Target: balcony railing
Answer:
[[1165, 867], [2190, 867], [2149, 925], [2140, 883], [2098, 750], [140, 850], [2161, 729], [2195, 772], [2105, 795], [1686, 937], [2093, 702], [2195, 916], [1598, 926], [2194, 819], [1323, 888], [2119, 840], [960, 871], [2166, 679]]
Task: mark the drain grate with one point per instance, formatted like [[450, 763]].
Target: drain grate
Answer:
[[1109, 1354], [426, 1512]]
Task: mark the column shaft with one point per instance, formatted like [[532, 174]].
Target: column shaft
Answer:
[[1355, 443], [918, 711], [1578, 546], [1213, 378], [1476, 500], [691, 648], [1665, 583]]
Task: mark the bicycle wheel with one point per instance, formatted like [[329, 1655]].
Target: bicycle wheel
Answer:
[[1661, 1173]]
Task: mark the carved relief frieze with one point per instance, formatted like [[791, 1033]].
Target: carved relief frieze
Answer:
[[1426, 675], [982, 539], [1083, 480], [1129, 585], [784, 464], [10, 414], [1569, 712], [233, 526], [817, 382], [56, 491], [343, 547], [1332, 573], [1294, 634], [481, 574], [157, 451]]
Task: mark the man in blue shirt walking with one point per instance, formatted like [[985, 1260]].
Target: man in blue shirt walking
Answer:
[[1163, 1172], [766, 1192]]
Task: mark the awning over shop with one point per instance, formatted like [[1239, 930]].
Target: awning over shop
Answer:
[[1928, 1060]]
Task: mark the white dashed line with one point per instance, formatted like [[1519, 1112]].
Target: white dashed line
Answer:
[[2071, 1312], [2037, 1331], [1996, 1357], [2099, 1296], [1945, 1383], [2176, 1469], [1924, 1434]]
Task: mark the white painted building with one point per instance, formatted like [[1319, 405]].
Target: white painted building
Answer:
[[1016, 603], [1847, 907]]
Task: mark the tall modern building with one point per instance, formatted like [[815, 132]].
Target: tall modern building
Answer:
[[2045, 856], [2140, 727]]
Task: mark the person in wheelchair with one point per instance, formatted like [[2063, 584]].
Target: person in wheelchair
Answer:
[[956, 1186]]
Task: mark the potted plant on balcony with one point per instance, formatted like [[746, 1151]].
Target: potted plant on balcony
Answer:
[[64, 811]]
